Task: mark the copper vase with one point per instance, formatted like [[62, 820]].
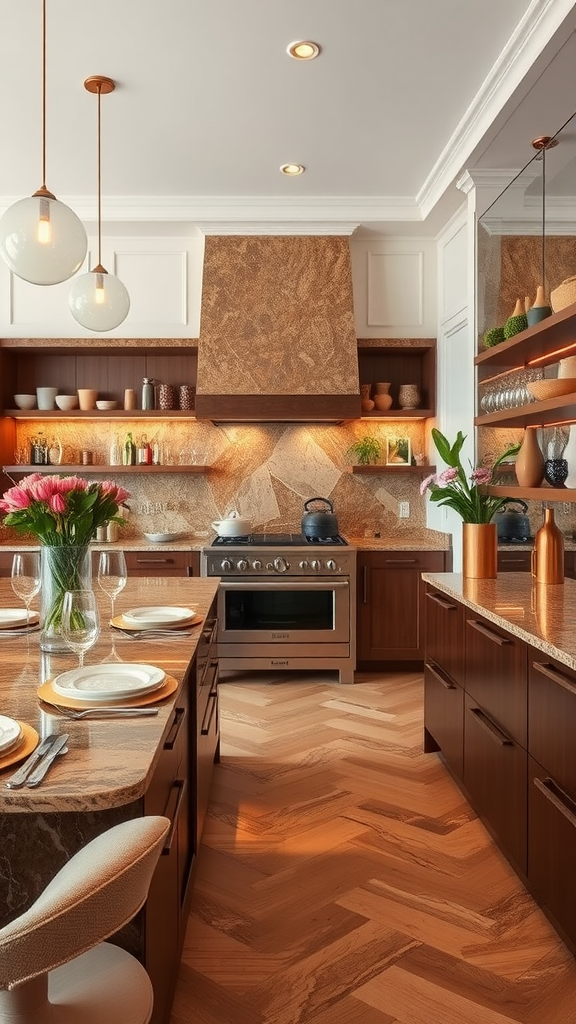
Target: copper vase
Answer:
[[479, 551], [529, 465], [548, 552]]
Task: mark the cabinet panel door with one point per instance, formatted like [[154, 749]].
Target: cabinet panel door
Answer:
[[514, 561], [552, 717], [390, 592], [444, 631], [495, 779], [496, 674], [157, 563], [552, 847], [444, 715]]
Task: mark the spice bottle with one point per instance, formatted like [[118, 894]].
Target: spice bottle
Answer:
[[144, 452], [147, 393], [114, 453], [129, 451]]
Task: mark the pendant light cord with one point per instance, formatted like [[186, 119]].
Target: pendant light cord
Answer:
[[44, 94], [99, 162], [544, 218]]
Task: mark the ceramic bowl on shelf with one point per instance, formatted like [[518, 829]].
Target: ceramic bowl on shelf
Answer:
[[160, 538], [105, 405], [25, 401], [67, 402], [553, 388]]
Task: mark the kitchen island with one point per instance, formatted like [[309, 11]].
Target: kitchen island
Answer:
[[117, 769], [500, 707]]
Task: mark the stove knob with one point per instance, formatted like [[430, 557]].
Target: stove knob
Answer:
[[331, 564], [242, 564], [226, 565], [315, 564], [281, 565], [303, 565], [257, 564]]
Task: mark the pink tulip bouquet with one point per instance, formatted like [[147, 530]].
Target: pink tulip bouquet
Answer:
[[62, 510], [452, 488]]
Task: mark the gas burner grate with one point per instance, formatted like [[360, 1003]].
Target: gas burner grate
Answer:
[[278, 540]]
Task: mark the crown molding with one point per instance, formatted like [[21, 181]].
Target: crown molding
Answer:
[[542, 19]]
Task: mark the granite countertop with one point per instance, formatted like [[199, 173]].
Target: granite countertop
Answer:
[[404, 540], [542, 615], [109, 761], [185, 542]]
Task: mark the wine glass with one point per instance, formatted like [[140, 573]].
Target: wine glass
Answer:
[[80, 621], [112, 574], [25, 577]]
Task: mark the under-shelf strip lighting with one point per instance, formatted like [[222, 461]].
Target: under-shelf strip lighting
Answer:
[[557, 352]]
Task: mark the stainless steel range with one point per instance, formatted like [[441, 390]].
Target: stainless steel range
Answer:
[[285, 602]]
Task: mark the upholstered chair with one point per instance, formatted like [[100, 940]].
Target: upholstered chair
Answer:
[[55, 967]]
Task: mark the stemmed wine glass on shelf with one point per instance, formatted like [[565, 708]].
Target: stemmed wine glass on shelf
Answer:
[[25, 577], [112, 575], [80, 621]]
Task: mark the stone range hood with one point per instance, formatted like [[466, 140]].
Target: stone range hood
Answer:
[[277, 333]]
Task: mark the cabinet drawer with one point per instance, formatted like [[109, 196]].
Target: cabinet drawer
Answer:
[[157, 563], [444, 715], [514, 561], [425, 561], [552, 847], [444, 632], [496, 674], [552, 717], [495, 778]]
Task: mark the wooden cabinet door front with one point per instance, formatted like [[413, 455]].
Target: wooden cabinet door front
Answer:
[[444, 716], [496, 674], [389, 603], [444, 633], [552, 848]]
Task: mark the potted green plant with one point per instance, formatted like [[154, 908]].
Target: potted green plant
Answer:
[[366, 450]]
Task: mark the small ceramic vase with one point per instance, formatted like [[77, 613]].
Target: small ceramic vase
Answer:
[[382, 399], [409, 396], [366, 403], [529, 465], [540, 310], [517, 322]]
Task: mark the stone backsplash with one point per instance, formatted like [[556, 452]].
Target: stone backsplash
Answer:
[[266, 472]]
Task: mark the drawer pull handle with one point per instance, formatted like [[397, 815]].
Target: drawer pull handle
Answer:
[[495, 637], [447, 605], [177, 791], [493, 731], [513, 561], [560, 800], [401, 561], [555, 675], [209, 715], [446, 683], [179, 715], [364, 584]]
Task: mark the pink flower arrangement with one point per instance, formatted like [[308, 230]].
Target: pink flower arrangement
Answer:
[[62, 510], [450, 487]]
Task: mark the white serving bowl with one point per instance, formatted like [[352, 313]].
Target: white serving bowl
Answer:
[[160, 538], [25, 401], [66, 402], [106, 406]]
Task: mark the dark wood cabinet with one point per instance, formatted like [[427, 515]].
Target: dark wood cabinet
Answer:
[[163, 563], [514, 561], [495, 673], [444, 633], [390, 601], [444, 717], [552, 848], [398, 364], [207, 722], [495, 780]]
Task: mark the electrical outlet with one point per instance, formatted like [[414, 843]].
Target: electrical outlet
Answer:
[[404, 509], [566, 508]]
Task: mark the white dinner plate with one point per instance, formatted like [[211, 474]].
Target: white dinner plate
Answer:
[[150, 616], [10, 733], [11, 618], [108, 682]]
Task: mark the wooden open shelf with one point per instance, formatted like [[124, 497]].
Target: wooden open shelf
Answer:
[[531, 493], [399, 414], [417, 470], [556, 334], [538, 414], [97, 414], [74, 470]]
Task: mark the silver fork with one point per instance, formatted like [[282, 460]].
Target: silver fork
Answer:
[[106, 712], [143, 634]]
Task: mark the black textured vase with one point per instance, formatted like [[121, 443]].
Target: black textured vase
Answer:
[[556, 471]]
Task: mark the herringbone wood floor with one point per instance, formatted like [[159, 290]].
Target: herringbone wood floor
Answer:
[[345, 880]]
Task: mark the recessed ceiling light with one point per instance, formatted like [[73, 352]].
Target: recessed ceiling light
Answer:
[[292, 169], [303, 50]]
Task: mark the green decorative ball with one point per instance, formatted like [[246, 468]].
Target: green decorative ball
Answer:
[[515, 324], [494, 336]]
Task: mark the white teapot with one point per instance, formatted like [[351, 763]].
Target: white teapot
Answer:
[[234, 525]]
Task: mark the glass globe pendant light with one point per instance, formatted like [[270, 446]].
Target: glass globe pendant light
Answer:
[[41, 239], [98, 300]]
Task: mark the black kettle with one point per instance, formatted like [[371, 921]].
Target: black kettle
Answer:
[[321, 524], [513, 525]]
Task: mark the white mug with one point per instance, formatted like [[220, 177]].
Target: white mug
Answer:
[[45, 398]]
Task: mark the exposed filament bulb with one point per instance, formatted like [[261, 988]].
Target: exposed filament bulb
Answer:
[[44, 228]]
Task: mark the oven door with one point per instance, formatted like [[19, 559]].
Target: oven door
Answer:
[[301, 611]]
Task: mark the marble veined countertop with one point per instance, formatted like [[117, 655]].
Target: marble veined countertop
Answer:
[[542, 615], [109, 761]]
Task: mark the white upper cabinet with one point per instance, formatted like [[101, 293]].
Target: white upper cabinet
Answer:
[[394, 282], [163, 276]]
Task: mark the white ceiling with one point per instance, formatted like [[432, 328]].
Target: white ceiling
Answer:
[[404, 96]]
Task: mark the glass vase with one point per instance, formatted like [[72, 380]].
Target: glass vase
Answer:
[[62, 568]]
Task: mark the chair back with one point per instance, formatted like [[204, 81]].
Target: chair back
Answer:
[[100, 889]]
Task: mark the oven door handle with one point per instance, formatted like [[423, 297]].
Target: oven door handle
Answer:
[[295, 584]]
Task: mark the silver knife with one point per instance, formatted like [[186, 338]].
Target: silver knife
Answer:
[[19, 777], [40, 771]]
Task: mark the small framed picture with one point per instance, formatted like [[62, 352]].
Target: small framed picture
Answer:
[[398, 451]]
